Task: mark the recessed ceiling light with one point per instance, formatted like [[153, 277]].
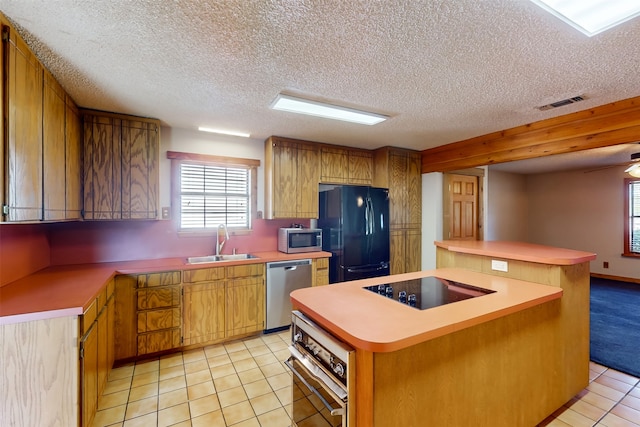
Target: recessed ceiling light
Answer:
[[224, 132], [592, 16], [328, 111]]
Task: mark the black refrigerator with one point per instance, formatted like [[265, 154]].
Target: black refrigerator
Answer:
[[355, 228]]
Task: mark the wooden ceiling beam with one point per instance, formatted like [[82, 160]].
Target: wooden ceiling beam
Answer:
[[610, 124]]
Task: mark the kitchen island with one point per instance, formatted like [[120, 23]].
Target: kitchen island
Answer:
[[495, 360]]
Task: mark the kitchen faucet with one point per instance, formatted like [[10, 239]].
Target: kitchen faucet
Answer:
[[226, 237]]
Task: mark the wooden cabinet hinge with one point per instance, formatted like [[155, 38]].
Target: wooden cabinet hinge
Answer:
[[81, 350]]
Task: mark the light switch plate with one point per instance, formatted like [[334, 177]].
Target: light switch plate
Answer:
[[499, 265]]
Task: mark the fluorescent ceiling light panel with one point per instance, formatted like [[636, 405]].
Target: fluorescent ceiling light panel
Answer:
[[592, 16], [224, 132], [328, 111]]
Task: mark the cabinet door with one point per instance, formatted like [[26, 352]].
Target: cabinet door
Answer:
[[360, 167], [285, 180], [413, 251], [334, 165], [307, 181], [111, 312], [139, 170], [102, 168], [125, 319], [397, 189], [103, 348], [54, 169], [413, 218], [321, 271], [89, 374], [396, 252], [204, 312], [24, 129], [73, 161], [245, 306]]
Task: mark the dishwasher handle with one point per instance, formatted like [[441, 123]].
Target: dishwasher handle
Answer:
[[288, 265]]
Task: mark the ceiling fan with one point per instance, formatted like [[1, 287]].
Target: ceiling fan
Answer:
[[634, 169]]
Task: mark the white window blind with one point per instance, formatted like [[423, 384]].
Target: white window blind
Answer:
[[634, 216], [211, 195]]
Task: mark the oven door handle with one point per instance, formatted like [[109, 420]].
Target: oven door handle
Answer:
[[332, 410]]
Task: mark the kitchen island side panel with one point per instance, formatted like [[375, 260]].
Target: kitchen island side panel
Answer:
[[571, 327], [39, 378], [499, 373]]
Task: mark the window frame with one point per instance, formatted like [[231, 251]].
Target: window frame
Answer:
[[627, 218], [178, 158]]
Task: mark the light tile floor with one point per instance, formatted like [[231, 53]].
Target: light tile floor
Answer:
[[245, 384]]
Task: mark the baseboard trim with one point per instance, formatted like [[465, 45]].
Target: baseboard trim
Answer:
[[621, 279]]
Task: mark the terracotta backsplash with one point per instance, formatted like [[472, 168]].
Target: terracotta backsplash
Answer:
[[27, 248], [89, 241], [24, 249]]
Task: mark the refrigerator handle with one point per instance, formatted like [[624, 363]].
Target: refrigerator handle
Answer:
[[369, 216]]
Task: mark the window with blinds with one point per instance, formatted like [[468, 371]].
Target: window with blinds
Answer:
[[633, 234], [211, 195]]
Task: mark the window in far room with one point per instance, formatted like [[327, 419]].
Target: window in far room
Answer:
[[211, 190], [632, 217]]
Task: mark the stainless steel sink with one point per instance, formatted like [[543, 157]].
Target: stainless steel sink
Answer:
[[218, 258]]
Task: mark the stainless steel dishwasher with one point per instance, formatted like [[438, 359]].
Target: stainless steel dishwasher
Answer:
[[283, 277]]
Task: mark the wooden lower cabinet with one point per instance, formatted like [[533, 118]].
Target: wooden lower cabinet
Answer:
[[245, 306], [204, 312], [89, 375], [96, 326], [222, 303], [405, 250], [148, 313], [320, 271]]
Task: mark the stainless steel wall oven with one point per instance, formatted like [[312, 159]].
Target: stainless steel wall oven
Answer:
[[323, 373]]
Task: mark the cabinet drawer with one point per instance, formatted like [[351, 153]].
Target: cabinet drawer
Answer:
[[154, 320], [322, 263], [245, 270], [88, 317], [204, 275], [158, 297], [159, 279], [159, 341]]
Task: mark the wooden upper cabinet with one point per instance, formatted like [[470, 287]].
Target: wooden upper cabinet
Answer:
[[340, 165], [334, 165], [54, 147], [360, 167], [399, 171], [73, 161], [120, 166], [140, 151], [292, 173], [23, 88]]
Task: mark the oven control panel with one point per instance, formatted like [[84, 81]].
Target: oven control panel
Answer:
[[330, 361], [310, 339]]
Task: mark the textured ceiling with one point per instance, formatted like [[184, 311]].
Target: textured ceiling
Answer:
[[444, 70]]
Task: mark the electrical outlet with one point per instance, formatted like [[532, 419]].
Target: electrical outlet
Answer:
[[499, 265], [166, 213], [605, 264]]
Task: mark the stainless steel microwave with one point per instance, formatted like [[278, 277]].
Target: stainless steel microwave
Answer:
[[296, 240]]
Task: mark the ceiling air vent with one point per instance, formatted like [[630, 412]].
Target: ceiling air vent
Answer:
[[562, 103]]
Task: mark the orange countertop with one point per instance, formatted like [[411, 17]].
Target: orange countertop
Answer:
[[518, 251], [69, 290], [371, 322]]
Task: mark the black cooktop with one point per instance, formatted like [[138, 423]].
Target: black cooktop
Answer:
[[428, 292]]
